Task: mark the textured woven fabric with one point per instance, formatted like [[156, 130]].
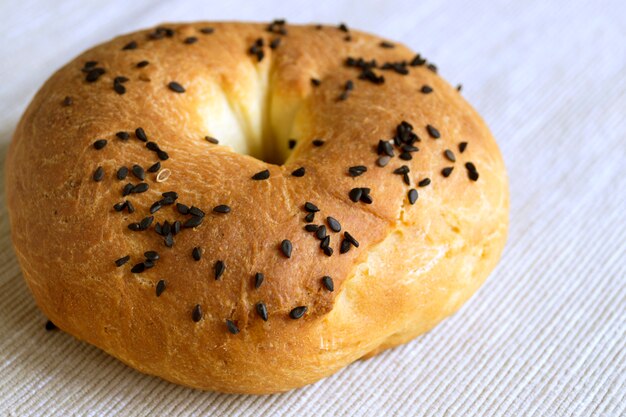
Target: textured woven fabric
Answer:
[[545, 336]]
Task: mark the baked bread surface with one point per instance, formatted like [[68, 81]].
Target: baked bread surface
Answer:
[[414, 265]]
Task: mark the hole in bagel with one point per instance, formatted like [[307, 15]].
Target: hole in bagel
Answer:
[[250, 117]]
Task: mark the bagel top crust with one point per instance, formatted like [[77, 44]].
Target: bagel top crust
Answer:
[[414, 265]]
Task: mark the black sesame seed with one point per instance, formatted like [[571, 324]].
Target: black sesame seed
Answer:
[[140, 188], [417, 61], [152, 146], [135, 227], [310, 207], [328, 251], [318, 142], [406, 179], [351, 239], [119, 88], [311, 227], [100, 143], [138, 268], [232, 327], [320, 233], [130, 207], [151, 255], [261, 310], [50, 326], [263, 175], [424, 182], [286, 247], [432, 67], [139, 172], [163, 156], [357, 170], [404, 169], [154, 167], [176, 227], [146, 222], [366, 197], [470, 166], [90, 64], [175, 87], [182, 209], [207, 30], [292, 143], [328, 283], [355, 194], [98, 174], [388, 45], [160, 287], [316, 82], [121, 261], [459, 87], [120, 79], [449, 155], [345, 246], [433, 132], [299, 172], [122, 135], [309, 217], [258, 279], [156, 206], [191, 39], [141, 134], [67, 101], [426, 89], [405, 156], [169, 240], [128, 188], [325, 242], [193, 222], [170, 194], [219, 268], [196, 253], [195, 211], [130, 45], [222, 208], [413, 195], [447, 171], [410, 148], [275, 43], [196, 314], [462, 147], [472, 175], [383, 161], [385, 148], [343, 27], [334, 225], [94, 74], [142, 64], [298, 312], [120, 206], [211, 140]]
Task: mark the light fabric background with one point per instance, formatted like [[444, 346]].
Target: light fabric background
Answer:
[[545, 336]]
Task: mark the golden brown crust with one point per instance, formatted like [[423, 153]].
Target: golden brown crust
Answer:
[[415, 264]]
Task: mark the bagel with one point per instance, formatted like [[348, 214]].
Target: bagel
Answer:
[[249, 208]]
